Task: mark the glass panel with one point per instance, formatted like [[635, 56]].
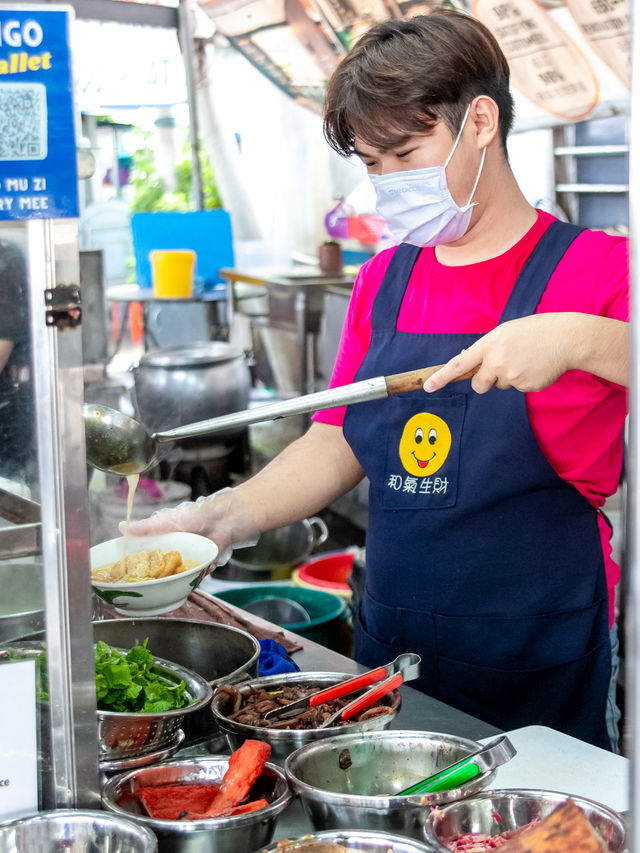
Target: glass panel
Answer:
[[18, 458], [22, 600]]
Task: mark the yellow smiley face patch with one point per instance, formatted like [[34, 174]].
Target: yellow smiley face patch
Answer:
[[424, 445]]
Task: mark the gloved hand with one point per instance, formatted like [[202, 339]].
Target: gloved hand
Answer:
[[222, 517]]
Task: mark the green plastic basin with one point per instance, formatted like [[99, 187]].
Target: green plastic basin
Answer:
[[326, 610]]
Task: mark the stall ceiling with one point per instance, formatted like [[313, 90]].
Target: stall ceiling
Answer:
[[298, 43]]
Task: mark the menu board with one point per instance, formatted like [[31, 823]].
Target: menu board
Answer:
[[606, 25], [38, 169], [545, 64]]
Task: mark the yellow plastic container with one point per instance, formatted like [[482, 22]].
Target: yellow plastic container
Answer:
[[172, 273]]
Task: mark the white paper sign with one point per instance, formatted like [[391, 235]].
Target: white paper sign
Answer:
[[18, 739]]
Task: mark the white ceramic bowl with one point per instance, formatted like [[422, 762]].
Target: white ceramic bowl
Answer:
[[149, 598]]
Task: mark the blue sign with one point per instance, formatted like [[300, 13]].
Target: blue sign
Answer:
[[38, 172]]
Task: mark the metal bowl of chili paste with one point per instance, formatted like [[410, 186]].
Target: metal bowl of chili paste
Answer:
[[229, 703]]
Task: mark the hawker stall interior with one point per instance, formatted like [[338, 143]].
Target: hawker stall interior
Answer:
[[319, 440]]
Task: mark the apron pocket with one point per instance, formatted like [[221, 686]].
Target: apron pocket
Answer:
[[570, 697], [369, 650], [546, 639], [422, 456]]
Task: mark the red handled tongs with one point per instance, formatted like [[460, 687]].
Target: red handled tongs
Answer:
[[404, 668]]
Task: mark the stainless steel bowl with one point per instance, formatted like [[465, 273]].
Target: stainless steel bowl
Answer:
[[215, 835], [218, 653], [376, 764], [123, 735], [495, 812], [77, 829], [364, 842], [283, 741], [277, 609], [110, 768]]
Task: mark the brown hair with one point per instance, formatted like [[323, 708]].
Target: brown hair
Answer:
[[403, 76]]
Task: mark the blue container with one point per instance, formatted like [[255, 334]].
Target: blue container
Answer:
[[206, 232]]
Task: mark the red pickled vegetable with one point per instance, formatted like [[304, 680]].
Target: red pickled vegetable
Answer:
[[203, 801], [253, 806], [245, 765], [169, 802]]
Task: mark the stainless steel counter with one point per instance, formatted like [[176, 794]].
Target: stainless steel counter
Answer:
[[418, 712], [545, 758]]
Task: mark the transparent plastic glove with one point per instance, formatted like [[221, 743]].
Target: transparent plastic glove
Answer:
[[222, 517]]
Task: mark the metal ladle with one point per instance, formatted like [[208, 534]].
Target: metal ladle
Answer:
[[121, 445]]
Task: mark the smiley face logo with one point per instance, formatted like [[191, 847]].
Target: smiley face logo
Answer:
[[424, 445]]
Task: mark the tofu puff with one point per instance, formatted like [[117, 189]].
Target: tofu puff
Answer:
[[144, 566]]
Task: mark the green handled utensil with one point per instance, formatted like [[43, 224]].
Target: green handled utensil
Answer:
[[495, 753]]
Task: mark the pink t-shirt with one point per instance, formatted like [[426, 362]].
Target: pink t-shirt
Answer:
[[577, 421]]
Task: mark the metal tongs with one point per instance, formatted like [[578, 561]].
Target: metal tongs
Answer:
[[404, 668], [492, 755]]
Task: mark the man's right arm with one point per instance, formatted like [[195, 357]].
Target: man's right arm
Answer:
[[306, 477], [300, 481]]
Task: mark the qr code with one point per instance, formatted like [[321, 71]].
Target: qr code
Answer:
[[23, 121]]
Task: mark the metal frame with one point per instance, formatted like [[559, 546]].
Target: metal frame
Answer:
[[73, 780], [185, 35], [119, 11]]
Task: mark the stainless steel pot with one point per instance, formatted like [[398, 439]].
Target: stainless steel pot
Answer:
[[175, 386], [277, 552]]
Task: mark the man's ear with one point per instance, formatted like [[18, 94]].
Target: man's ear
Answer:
[[485, 117]]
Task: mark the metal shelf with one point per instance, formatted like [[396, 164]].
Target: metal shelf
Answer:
[[590, 150], [592, 188]]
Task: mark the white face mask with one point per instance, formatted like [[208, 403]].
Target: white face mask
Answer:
[[417, 204]]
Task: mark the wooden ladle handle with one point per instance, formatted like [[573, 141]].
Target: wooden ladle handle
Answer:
[[412, 380]]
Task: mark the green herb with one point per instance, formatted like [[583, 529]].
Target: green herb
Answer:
[[129, 683], [124, 682]]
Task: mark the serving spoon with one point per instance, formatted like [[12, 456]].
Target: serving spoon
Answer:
[[119, 444]]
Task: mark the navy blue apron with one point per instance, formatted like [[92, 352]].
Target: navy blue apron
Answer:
[[480, 558]]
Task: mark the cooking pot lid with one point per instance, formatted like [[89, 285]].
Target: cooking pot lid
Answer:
[[194, 355]]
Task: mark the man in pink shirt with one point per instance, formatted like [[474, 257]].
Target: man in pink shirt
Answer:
[[486, 550]]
